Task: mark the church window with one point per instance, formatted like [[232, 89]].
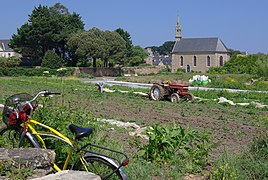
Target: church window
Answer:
[[181, 58], [194, 60], [208, 60], [221, 61]]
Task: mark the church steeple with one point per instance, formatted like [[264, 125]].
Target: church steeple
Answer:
[[178, 30]]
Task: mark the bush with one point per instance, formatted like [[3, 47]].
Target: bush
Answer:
[[169, 143], [82, 75], [20, 71], [9, 62], [52, 60], [84, 63], [262, 68], [135, 61], [99, 63], [242, 64], [180, 70], [217, 70]]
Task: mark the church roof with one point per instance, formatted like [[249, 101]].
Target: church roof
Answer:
[[199, 45], [4, 46]]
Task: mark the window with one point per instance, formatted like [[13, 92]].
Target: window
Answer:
[[181, 61], [208, 61], [194, 60], [221, 61]]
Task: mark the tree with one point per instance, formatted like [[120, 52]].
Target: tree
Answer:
[[116, 47], [135, 61], [164, 49], [233, 52], [138, 51], [97, 44], [52, 60], [137, 56], [262, 67], [126, 36], [47, 29]]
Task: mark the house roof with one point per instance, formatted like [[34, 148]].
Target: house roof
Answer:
[[165, 60], [191, 45], [4, 47]]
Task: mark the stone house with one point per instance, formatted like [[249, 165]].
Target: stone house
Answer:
[[162, 60], [6, 51], [197, 54], [156, 59]]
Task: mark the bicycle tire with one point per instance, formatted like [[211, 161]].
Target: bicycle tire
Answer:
[[102, 167], [5, 132]]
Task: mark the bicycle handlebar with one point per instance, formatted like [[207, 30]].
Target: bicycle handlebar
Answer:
[[45, 93]]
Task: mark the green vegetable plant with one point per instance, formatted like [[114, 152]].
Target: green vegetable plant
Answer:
[[178, 145]]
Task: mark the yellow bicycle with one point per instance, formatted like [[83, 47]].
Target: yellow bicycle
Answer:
[[17, 114]]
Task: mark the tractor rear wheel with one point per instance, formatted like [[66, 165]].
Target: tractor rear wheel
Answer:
[[157, 92], [175, 98], [189, 97]]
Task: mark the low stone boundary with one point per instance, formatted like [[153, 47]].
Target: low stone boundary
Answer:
[[40, 161]]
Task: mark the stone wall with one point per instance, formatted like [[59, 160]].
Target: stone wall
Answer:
[[40, 161], [98, 72], [113, 72], [142, 70]]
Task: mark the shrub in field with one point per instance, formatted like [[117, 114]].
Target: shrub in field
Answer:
[[9, 62], [217, 70], [262, 68], [82, 75], [177, 144], [52, 60]]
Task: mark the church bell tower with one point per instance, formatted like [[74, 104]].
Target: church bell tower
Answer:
[[178, 30]]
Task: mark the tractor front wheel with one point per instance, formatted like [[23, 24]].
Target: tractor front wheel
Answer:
[[157, 92]]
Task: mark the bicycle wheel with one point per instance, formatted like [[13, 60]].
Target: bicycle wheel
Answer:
[[102, 167], [9, 137]]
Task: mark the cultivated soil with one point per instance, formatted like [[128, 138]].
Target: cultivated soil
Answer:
[[234, 127]]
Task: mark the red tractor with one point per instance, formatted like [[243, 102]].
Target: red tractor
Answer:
[[171, 91]]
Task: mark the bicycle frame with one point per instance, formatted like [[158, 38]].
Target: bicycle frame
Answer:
[[52, 133], [26, 128]]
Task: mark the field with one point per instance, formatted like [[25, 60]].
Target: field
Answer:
[[233, 128]]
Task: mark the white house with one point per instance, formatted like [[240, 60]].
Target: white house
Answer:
[[6, 51]]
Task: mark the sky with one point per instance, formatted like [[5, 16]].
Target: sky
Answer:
[[240, 24]]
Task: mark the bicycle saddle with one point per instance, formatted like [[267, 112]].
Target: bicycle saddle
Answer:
[[80, 132]]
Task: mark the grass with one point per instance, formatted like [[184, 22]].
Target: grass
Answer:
[[252, 163], [81, 103]]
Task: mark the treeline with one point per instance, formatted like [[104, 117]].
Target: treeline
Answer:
[[164, 49], [53, 37]]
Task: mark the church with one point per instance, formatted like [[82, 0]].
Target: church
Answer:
[[197, 54]]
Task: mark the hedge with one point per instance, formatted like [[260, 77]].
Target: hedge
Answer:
[[20, 71]]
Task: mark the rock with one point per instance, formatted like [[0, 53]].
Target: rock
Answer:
[[70, 175], [35, 158]]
